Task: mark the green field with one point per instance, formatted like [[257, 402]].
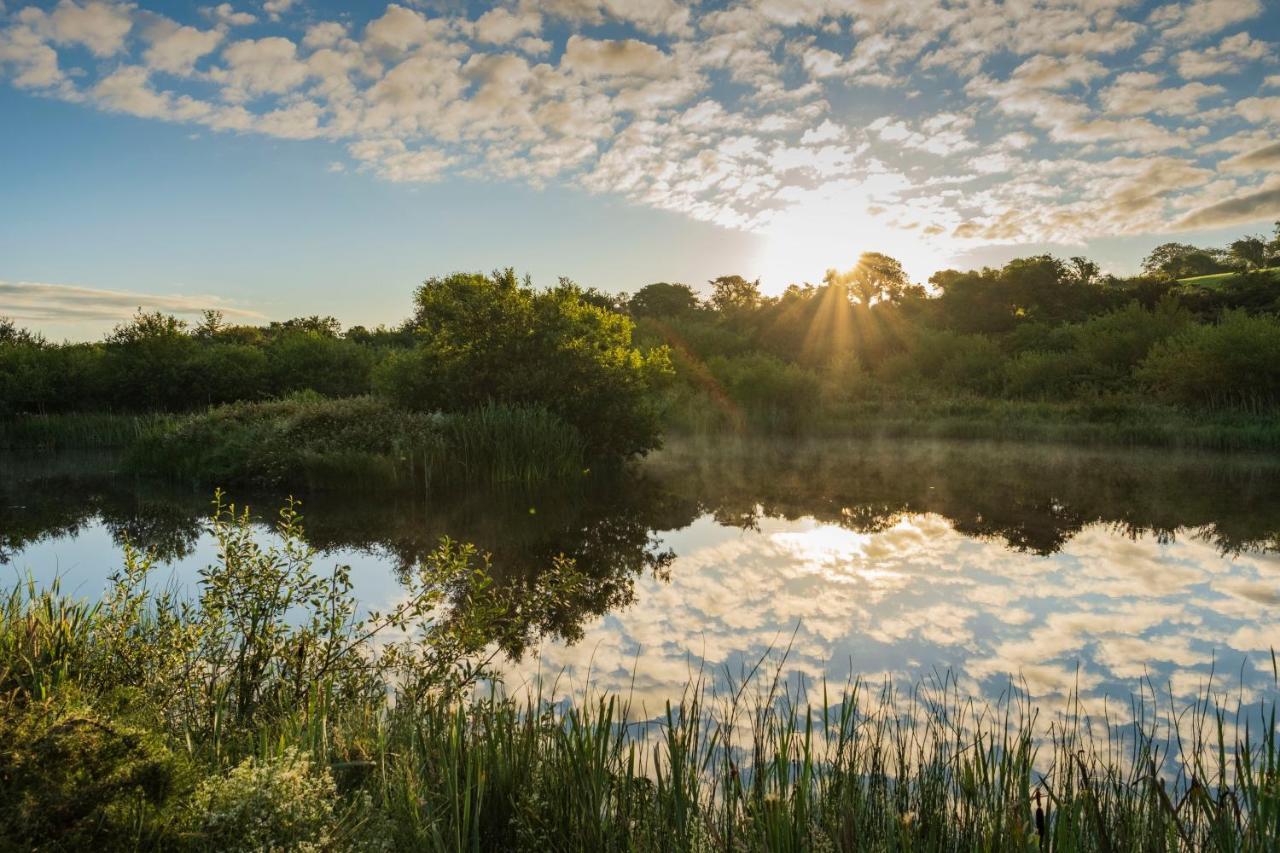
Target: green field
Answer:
[[1221, 277]]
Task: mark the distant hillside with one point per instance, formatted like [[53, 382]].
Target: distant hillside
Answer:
[[1222, 277]]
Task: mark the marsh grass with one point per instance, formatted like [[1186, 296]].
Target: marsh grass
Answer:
[[509, 444], [1115, 422], [92, 430], [362, 443]]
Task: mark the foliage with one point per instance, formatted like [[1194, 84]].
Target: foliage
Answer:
[[299, 440], [489, 339], [548, 382], [1180, 260], [733, 293], [661, 299], [772, 392], [74, 779], [1234, 363], [874, 277], [282, 803]]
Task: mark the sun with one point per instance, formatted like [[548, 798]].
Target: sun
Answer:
[[801, 243]]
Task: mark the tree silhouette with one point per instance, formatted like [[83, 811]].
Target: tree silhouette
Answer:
[[875, 276]]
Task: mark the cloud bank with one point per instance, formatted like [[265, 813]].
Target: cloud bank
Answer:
[[953, 124], [35, 301]]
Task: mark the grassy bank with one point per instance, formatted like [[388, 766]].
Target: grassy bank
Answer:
[[266, 714], [315, 443], [85, 431], [311, 442], [1117, 422]]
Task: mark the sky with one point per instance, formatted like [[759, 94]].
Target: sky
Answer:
[[274, 158]]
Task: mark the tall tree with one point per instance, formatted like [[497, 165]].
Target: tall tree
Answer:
[[731, 293], [1180, 260], [1249, 252], [662, 299], [875, 277]]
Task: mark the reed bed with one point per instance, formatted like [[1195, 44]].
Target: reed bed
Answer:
[[86, 431], [309, 442]]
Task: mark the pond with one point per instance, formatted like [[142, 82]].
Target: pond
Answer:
[[1102, 572]]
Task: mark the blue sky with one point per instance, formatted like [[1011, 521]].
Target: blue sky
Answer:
[[275, 158]]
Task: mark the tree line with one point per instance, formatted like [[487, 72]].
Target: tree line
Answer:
[[614, 366]]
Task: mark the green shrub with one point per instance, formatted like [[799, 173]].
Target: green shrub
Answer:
[[303, 440], [72, 779], [1233, 364], [510, 444], [484, 339], [1043, 375], [956, 361], [281, 804], [769, 391], [314, 361]]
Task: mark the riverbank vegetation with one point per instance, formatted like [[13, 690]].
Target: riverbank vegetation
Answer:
[[1039, 349], [269, 714]]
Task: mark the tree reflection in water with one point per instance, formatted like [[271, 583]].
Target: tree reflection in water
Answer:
[[1033, 499]]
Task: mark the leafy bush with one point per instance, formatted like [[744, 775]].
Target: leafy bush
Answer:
[[281, 804], [1234, 364], [1043, 375], [956, 361], [73, 779], [323, 363], [361, 442], [489, 339], [769, 391], [1108, 347], [301, 440]]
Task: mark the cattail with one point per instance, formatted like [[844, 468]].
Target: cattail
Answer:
[[1039, 818]]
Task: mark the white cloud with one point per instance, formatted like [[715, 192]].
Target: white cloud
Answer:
[[276, 8], [503, 26], [99, 26], [1225, 58], [25, 300], [589, 57], [1050, 149], [1142, 92], [175, 48], [1201, 18], [1260, 110], [828, 131], [260, 66], [393, 160], [228, 16]]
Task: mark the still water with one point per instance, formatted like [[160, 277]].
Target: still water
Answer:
[[1063, 569]]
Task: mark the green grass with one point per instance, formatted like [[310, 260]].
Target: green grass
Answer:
[[314, 443], [1222, 277], [77, 431], [1118, 422]]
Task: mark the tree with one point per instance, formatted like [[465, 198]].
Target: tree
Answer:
[[1083, 270], [328, 326], [874, 277], [148, 361], [731, 293], [10, 333], [662, 299], [483, 339], [1249, 252], [1180, 260]]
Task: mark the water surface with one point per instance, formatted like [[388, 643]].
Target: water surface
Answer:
[[1064, 569]]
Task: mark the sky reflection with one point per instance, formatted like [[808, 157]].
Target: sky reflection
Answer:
[[921, 597]]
